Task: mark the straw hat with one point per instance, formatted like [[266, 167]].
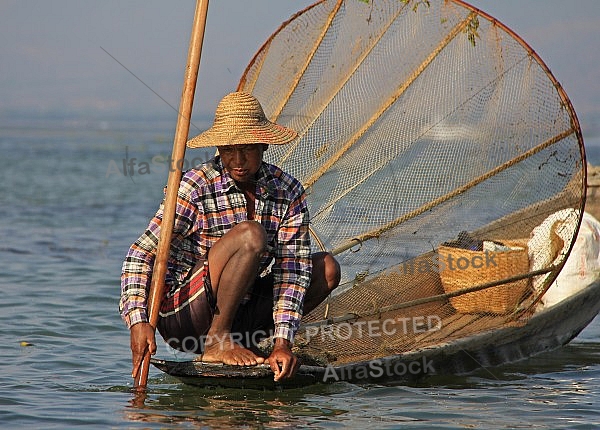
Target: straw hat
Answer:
[[240, 120]]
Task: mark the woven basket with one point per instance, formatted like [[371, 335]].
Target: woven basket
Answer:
[[472, 268]]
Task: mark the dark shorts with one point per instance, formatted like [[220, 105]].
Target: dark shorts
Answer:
[[186, 313]]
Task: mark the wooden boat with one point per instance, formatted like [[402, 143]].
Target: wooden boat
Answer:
[[544, 332], [462, 344], [402, 147]]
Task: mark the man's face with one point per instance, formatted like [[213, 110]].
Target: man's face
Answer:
[[242, 161]]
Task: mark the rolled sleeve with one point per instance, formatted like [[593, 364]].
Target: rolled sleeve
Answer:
[[292, 270], [136, 272]]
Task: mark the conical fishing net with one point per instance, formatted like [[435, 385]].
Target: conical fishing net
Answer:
[[433, 141]]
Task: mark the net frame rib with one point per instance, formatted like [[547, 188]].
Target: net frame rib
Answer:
[[343, 82], [575, 128], [424, 208], [286, 96], [374, 170], [243, 84], [247, 86], [390, 101], [561, 92], [302, 70], [259, 59], [566, 103], [438, 297]]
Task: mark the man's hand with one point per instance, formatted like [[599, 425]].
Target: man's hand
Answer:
[[141, 339], [282, 361]]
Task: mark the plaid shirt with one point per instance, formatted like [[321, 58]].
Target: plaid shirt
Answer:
[[209, 204]]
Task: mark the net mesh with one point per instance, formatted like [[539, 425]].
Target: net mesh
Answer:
[[419, 120]]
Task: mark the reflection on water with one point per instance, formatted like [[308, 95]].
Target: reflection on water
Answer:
[[565, 380], [229, 407]]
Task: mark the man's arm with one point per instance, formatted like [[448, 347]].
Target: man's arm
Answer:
[[292, 272], [137, 273], [135, 281], [292, 269]]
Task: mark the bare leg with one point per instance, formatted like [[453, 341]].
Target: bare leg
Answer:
[[325, 278], [233, 264]]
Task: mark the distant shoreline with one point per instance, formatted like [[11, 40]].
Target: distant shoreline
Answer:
[[592, 203]]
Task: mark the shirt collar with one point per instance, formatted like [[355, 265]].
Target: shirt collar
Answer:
[[264, 179]]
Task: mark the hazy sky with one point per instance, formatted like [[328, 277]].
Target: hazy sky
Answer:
[[54, 55]]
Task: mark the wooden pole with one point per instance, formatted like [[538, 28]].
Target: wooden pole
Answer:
[[181, 135]]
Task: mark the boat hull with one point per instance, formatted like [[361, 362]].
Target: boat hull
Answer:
[[545, 331]]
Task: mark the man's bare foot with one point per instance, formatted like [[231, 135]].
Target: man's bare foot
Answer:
[[229, 352]]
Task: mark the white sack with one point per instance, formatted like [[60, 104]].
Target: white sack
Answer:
[[549, 243]]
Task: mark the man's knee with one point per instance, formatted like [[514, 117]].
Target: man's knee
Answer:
[[326, 262], [333, 272], [252, 235]]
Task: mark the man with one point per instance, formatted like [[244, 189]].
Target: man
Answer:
[[240, 265]]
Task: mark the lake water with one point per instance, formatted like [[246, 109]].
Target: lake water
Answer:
[[69, 214]]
